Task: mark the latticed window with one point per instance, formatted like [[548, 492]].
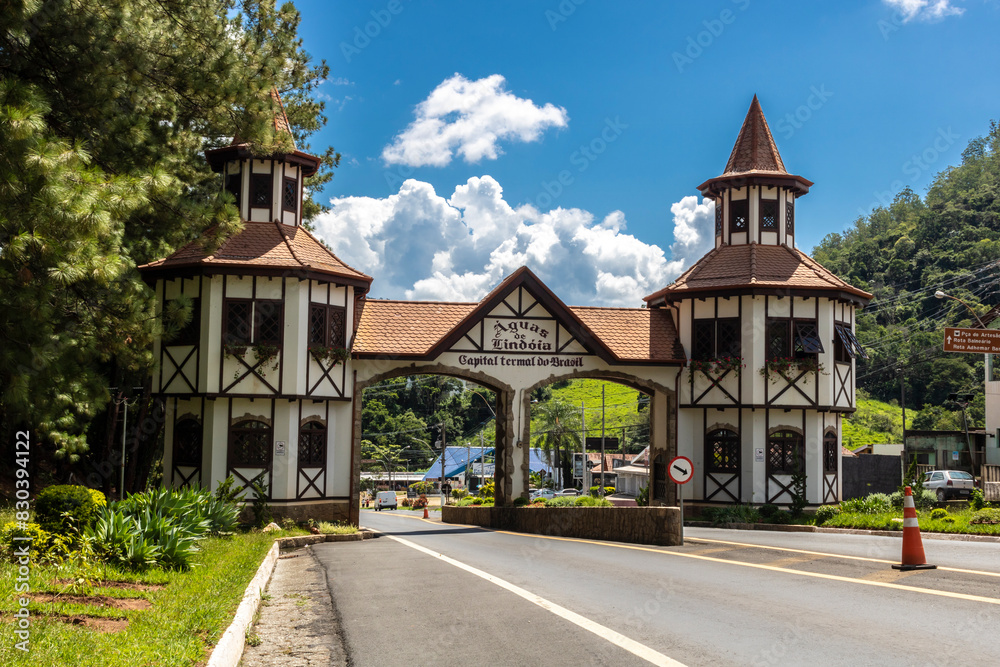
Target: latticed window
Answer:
[[327, 325], [188, 335], [768, 214], [234, 184], [779, 342], [722, 451], [290, 194], [718, 217], [249, 444], [236, 326], [715, 339], [785, 453], [830, 452], [312, 445], [739, 213], [847, 346], [187, 443], [267, 322], [260, 190], [703, 340], [807, 338], [790, 216]]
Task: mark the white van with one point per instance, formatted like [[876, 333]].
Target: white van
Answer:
[[385, 499]]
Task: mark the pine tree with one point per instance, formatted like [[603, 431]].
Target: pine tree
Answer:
[[106, 107]]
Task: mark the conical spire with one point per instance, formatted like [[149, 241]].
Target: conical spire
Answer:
[[755, 149]]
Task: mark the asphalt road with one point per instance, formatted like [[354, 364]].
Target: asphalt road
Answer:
[[724, 598]]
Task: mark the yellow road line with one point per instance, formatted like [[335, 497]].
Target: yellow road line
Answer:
[[696, 540], [890, 575], [801, 573], [792, 560]]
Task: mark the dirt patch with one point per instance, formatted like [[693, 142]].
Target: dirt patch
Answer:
[[129, 604], [95, 623], [127, 585]]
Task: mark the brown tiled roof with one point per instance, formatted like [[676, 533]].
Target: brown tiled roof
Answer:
[[406, 327], [418, 328], [261, 245], [730, 267], [755, 149], [634, 334]]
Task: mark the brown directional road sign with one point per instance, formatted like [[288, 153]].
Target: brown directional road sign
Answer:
[[973, 341]]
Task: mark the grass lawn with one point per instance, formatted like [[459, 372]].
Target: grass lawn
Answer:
[[184, 619], [956, 521]]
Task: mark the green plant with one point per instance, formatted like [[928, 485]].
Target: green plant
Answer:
[[767, 511], [477, 501], [714, 369], [60, 508], [331, 355], [826, 512], [40, 541], [608, 490], [798, 486], [874, 503], [458, 494], [487, 490], [259, 507], [288, 523], [977, 501], [591, 501], [731, 514], [405, 502], [916, 480], [989, 515], [327, 528], [421, 487], [562, 501], [226, 493], [642, 500], [420, 503], [520, 501], [939, 513], [773, 368]]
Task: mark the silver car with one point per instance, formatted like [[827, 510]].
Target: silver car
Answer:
[[949, 483]]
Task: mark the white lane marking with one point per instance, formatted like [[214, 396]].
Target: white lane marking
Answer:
[[618, 639]]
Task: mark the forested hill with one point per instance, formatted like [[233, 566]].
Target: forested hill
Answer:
[[903, 254]]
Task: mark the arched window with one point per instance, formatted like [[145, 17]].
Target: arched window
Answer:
[[786, 453], [722, 451], [249, 444], [830, 452], [312, 445], [187, 443]]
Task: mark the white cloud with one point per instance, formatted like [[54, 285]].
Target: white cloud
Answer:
[[420, 245], [924, 10], [469, 118]]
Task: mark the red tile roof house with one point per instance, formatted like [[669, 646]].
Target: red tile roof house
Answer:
[[748, 357]]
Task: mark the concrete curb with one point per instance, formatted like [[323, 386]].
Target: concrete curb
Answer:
[[229, 650]]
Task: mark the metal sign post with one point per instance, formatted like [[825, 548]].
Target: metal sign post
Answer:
[[681, 470]]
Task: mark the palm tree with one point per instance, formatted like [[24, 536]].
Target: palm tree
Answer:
[[559, 426]]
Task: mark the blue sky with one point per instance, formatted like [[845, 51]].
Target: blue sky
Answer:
[[571, 135]]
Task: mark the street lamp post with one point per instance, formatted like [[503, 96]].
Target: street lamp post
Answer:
[[941, 295]]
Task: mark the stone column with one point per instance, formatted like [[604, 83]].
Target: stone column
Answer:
[[504, 455]]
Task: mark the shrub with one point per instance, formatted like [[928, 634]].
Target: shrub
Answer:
[[767, 511], [925, 500], [590, 501], [562, 501], [977, 501], [458, 494], [642, 500], [59, 509], [419, 503], [731, 514], [487, 490], [477, 501], [875, 503], [100, 500], [608, 490], [988, 515], [422, 487], [939, 513], [405, 502], [520, 501], [43, 545], [826, 512]]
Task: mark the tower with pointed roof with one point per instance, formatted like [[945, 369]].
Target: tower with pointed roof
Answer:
[[258, 385], [769, 334]]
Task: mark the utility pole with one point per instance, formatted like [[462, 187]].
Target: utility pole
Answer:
[[902, 403], [603, 387], [482, 458]]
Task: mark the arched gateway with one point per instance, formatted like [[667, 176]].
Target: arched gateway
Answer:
[[748, 357]]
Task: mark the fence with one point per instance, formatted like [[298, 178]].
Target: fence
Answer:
[[991, 482], [871, 473]]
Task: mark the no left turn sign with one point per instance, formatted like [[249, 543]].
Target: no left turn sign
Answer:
[[680, 469]]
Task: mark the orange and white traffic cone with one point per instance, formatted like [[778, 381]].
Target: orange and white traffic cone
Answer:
[[425, 513], [913, 548]]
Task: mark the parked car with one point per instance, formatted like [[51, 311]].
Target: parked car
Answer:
[[568, 492], [385, 499], [949, 483], [543, 494]]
